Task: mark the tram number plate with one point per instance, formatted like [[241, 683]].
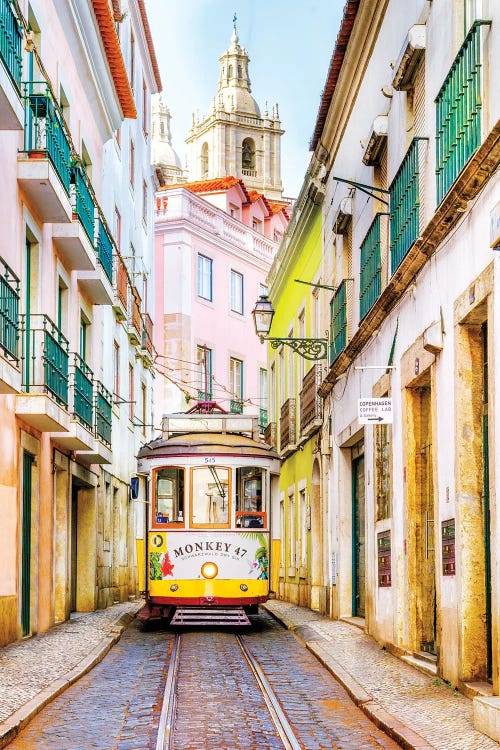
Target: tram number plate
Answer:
[[209, 460]]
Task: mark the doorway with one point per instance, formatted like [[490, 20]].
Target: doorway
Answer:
[[358, 536], [26, 521]]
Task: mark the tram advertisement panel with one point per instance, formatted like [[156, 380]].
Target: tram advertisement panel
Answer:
[[180, 556]]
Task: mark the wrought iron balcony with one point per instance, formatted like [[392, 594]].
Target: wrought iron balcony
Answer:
[[45, 359], [10, 42], [310, 401], [405, 204], [103, 414], [147, 336], [458, 112], [9, 312], [262, 420], [82, 202], [270, 434], [236, 406], [370, 268], [45, 134], [338, 321], [287, 426], [83, 392], [120, 287], [134, 322], [104, 250]]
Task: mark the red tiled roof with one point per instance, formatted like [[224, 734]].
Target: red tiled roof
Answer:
[[106, 24], [117, 11], [350, 10], [255, 195], [217, 185], [149, 39], [277, 207]]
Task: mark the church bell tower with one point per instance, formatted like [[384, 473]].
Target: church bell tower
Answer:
[[235, 138]]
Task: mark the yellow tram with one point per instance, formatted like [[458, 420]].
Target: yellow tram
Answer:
[[206, 549]]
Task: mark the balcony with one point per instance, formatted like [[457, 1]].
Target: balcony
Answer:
[[97, 284], [338, 321], [10, 374], [101, 454], [44, 164], [11, 108], [134, 319], [80, 433], [270, 434], [310, 402], [236, 406], [147, 347], [370, 268], [287, 427], [44, 403], [458, 112], [120, 287], [405, 203], [262, 421]]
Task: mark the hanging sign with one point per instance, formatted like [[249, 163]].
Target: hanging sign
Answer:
[[375, 410]]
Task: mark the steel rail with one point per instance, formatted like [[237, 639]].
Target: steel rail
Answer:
[[165, 737], [283, 727]]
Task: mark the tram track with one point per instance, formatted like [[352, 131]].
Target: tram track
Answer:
[[166, 729]]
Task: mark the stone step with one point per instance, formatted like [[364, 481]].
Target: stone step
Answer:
[[428, 667]]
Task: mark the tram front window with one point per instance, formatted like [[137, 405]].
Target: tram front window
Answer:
[[169, 496], [250, 510], [210, 496]]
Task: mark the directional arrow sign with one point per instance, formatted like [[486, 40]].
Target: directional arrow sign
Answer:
[[375, 410]]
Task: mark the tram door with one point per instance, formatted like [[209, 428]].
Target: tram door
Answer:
[[358, 536]]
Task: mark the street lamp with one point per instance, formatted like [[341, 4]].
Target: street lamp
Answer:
[[263, 313]]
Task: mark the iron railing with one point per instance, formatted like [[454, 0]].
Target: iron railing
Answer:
[[370, 268], [262, 419], [287, 424], [45, 131], [236, 406], [83, 203], [147, 334], [338, 321], [120, 281], [405, 205], [9, 311], [83, 392], [10, 42], [105, 251], [103, 414], [310, 401], [45, 357], [458, 112]]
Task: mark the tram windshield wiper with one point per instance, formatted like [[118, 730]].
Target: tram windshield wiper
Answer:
[[220, 486]]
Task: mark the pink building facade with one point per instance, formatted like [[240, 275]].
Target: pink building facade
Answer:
[[214, 245]]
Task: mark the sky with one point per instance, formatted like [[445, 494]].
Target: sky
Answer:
[[290, 43]]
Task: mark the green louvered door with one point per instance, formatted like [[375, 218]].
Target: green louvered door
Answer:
[[26, 545]]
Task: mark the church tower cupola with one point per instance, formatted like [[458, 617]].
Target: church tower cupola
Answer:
[[234, 139]]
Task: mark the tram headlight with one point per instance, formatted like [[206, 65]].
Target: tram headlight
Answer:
[[174, 587], [243, 587], [209, 570]]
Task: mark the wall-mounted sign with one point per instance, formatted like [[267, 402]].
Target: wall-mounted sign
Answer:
[[375, 410]]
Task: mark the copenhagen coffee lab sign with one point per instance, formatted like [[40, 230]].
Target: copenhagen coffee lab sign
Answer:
[[375, 410]]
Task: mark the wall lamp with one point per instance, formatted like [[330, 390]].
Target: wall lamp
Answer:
[[263, 313]]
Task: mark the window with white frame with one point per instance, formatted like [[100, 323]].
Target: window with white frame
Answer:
[[237, 292], [204, 364], [302, 528], [292, 536], [205, 277], [236, 380]]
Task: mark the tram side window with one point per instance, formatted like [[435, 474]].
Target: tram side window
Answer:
[[169, 496], [249, 502], [210, 496]]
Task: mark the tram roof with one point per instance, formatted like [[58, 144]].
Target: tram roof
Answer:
[[194, 443]]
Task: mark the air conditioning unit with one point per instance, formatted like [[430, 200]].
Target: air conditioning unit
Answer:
[[409, 58], [376, 140], [343, 216]]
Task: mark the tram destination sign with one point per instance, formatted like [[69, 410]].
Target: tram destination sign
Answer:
[[375, 410]]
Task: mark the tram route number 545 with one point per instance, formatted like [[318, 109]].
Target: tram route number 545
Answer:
[[209, 460]]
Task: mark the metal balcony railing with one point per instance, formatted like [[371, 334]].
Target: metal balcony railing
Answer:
[[10, 42], [82, 201], [45, 358], [83, 392], [147, 333], [370, 270], [103, 414], [135, 319], [310, 401], [236, 406], [104, 249], [9, 311], [45, 130], [458, 112], [405, 204], [270, 434], [287, 424], [120, 281], [262, 419], [338, 322]]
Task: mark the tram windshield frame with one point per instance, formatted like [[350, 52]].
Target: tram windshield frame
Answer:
[[210, 496]]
